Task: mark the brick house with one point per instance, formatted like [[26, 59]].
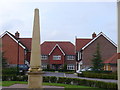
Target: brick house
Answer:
[[10, 47], [85, 48], [56, 54], [59, 53]]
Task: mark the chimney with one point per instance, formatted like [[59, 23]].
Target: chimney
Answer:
[[17, 34], [93, 35]]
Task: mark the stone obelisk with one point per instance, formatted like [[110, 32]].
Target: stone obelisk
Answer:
[[118, 49], [35, 71]]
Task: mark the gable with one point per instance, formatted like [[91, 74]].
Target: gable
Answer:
[[57, 46], [96, 38]]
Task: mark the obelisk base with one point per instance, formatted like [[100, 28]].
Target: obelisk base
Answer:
[[34, 80]]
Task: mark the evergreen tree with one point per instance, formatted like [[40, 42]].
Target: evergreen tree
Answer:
[[97, 61], [65, 67]]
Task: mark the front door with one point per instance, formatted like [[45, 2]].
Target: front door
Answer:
[[56, 66]]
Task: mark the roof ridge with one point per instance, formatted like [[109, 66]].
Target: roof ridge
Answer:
[[56, 41], [25, 38]]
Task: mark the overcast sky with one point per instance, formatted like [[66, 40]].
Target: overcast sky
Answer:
[[60, 20]]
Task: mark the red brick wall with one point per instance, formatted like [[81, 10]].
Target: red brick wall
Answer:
[[56, 52], [10, 49], [106, 49], [114, 68]]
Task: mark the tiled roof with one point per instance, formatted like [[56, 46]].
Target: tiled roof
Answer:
[[26, 42], [81, 43], [13, 37], [46, 47], [112, 60], [67, 47]]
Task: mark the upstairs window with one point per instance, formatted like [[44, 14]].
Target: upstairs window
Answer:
[[57, 57], [44, 57], [70, 57]]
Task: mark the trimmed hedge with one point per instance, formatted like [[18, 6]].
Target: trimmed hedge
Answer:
[[9, 71], [12, 71], [64, 80], [60, 70], [14, 77], [98, 75]]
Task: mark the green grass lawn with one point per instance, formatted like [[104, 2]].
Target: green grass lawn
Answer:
[[9, 83]]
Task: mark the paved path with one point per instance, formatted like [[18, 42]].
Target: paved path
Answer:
[[25, 86], [75, 76]]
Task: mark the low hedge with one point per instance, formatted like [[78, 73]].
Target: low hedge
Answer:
[[98, 75], [9, 71], [60, 70], [12, 71], [64, 80]]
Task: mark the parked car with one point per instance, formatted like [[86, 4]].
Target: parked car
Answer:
[[23, 68]]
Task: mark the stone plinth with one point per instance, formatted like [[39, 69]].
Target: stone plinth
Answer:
[[35, 79]]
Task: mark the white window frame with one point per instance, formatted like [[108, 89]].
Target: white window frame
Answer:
[[44, 57], [44, 66], [70, 67], [70, 57], [79, 56], [57, 57]]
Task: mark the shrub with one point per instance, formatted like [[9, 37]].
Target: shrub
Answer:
[[14, 77], [46, 79], [98, 75], [68, 80], [53, 79], [9, 71], [61, 80]]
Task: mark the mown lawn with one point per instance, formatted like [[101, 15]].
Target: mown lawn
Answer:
[[67, 86]]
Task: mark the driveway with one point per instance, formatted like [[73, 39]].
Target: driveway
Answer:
[[75, 76]]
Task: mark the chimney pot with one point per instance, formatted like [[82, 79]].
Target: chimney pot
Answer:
[[93, 35], [17, 34]]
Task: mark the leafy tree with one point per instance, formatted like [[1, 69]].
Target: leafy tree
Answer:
[[97, 61]]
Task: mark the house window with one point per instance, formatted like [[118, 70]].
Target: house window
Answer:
[[70, 57], [44, 66], [57, 57], [70, 67], [79, 56], [44, 57]]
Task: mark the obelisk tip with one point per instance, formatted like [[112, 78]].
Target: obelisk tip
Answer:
[[36, 9]]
